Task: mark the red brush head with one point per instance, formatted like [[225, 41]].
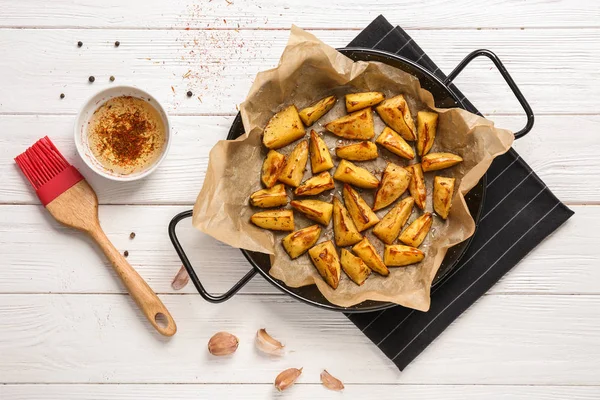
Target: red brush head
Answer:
[[47, 170]]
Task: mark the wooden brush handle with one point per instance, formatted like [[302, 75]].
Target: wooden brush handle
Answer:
[[143, 295]]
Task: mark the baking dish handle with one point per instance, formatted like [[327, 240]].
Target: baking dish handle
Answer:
[[190, 270], [509, 80]]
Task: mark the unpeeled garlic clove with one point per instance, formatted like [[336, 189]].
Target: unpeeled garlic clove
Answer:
[[181, 279], [287, 378], [266, 343], [223, 344], [331, 382]]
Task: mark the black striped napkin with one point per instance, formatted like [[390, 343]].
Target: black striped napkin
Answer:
[[519, 211]]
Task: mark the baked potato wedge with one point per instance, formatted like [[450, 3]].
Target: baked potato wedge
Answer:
[[416, 187], [426, 129], [437, 161], [361, 151], [349, 173], [344, 230], [283, 128], [325, 259], [365, 250], [313, 113], [358, 125], [295, 164], [415, 233], [320, 158], [388, 229], [395, 143], [361, 214], [275, 220], [267, 198], [396, 114], [272, 167], [354, 267], [297, 243], [398, 255], [394, 182], [315, 185], [358, 101], [318, 211], [443, 190]]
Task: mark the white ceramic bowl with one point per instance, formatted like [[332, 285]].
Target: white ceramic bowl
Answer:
[[81, 136]]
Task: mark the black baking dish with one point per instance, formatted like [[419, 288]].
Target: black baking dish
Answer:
[[444, 98]]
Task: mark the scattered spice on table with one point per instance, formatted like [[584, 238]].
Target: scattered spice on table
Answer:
[[132, 235], [112, 78], [79, 44], [62, 95], [117, 43], [126, 253], [189, 93], [91, 79]]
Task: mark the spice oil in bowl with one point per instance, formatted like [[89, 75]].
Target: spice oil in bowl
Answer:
[[122, 133], [126, 135]]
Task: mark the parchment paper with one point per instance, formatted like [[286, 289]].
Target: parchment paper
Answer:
[[308, 71]]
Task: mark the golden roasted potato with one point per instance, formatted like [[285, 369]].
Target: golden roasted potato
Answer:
[[267, 198], [355, 175], [398, 255], [394, 143], [359, 211], [416, 186], [354, 267], [325, 259], [415, 233], [316, 210], [275, 220], [396, 114], [320, 159], [358, 125], [426, 130], [437, 161], [272, 167], [283, 128], [358, 101], [311, 114], [315, 185], [394, 182], [344, 230], [361, 151], [390, 225], [295, 164], [297, 243], [443, 190], [365, 250]]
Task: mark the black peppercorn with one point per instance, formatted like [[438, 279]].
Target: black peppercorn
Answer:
[[189, 93], [112, 78], [117, 43], [131, 235], [91, 79], [79, 44], [126, 253], [62, 95]]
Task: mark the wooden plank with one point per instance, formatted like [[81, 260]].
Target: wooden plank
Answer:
[[308, 13], [40, 256], [549, 149], [536, 340], [300, 390], [219, 66]]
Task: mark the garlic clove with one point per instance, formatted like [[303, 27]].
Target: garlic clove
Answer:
[[265, 343], [331, 382], [287, 378], [181, 279], [223, 344]]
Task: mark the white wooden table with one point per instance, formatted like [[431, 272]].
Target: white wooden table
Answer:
[[68, 330]]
